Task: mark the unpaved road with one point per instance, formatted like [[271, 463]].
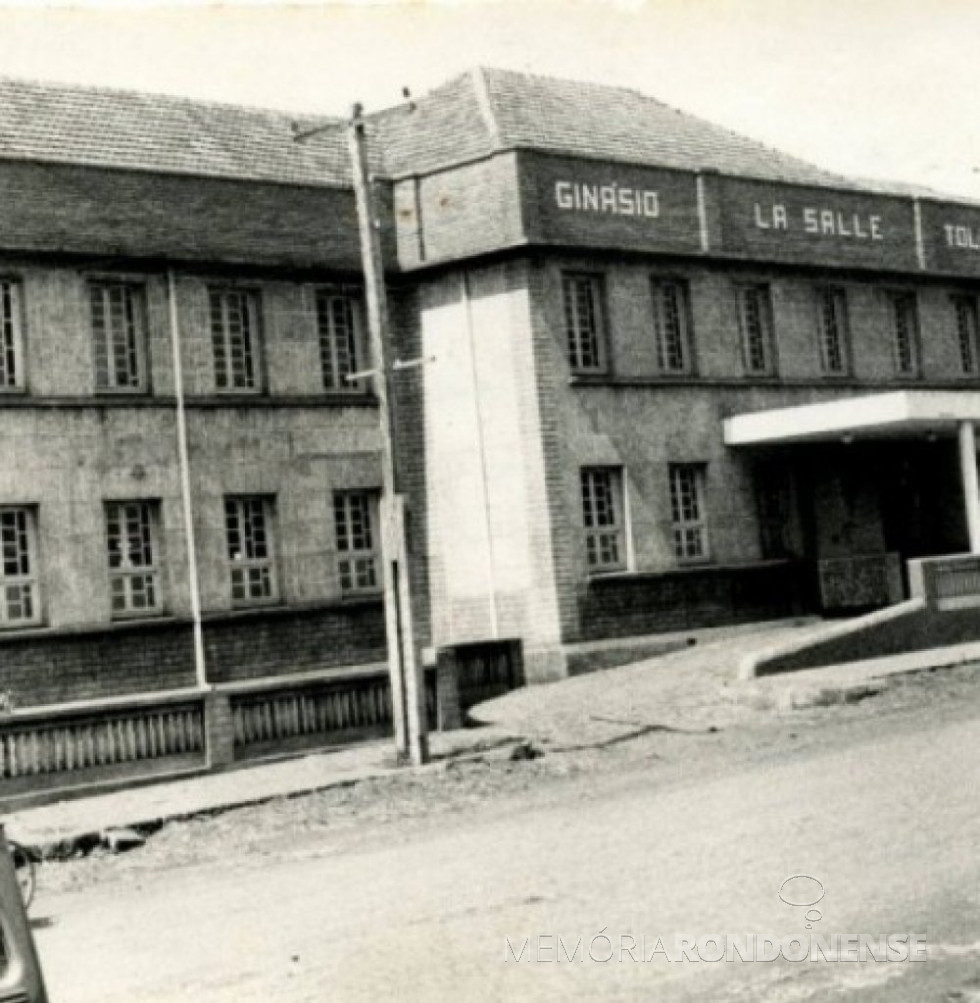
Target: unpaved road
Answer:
[[407, 889]]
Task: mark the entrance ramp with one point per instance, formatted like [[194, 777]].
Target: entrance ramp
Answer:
[[911, 632]]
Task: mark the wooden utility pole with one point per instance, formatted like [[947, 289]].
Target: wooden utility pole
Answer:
[[404, 663]]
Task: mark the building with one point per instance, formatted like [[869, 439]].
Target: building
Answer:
[[623, 302], [614, 304]]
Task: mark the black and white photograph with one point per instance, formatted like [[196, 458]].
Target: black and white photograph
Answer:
[[489, 501]]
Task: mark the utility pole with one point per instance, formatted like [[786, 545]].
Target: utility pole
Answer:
[[404, 663]]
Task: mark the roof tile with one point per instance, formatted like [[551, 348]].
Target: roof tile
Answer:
[[125, 129]]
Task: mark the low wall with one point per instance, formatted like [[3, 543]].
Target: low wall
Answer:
[[625, 605], [42, 667], [54, 748], [66, 747], [946, 583]]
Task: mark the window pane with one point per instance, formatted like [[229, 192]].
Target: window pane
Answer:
[[905, 330], [687, 511], [602, 508], [357, 565], [131, 549], [249, 543], [116, 314], [18, 588], [670, 327], [9, 334], [335, 326], [234, 337], [754, 316], [833, 329], [581, 297], [966, 329]]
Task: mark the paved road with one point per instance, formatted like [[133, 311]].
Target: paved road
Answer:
[[422, 911]]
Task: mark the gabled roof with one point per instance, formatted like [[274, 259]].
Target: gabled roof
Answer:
[[58, 123], [488, 110]]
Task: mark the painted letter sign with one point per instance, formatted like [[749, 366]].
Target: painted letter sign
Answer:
[[952, 237], [587, 203], [822, 225]]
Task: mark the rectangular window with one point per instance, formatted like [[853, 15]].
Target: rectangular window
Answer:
[[357, 548], [11, 346], [119, 333], [832, 318], [687, 512], [248, 532], [582, 297], [966, 332], [671, 327], [235, 338], [755, 329], [335, 321], [19, 604], [603, 518], [131, 533], [905, 332]]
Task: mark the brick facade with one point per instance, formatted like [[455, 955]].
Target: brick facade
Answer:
[[51, 667], [284, 641]]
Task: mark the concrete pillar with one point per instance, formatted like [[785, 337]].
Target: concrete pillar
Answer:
[[971, 488], [219, 731], [448, 711]]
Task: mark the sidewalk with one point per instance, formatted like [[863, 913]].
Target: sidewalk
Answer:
[[60, 828], [696, 690]]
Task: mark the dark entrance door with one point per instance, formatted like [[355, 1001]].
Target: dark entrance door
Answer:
[[921, 498]]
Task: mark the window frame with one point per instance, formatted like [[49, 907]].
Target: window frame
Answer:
[[267, 563], [30, 579], [349, 556], [597, 534], [685, 528], [252, 299], [327, 339], [837, 294], [572, 322], [150, 507], [970, 303], [767, 332], [659, 284], [907, 301], [12, 290], [132, 288]]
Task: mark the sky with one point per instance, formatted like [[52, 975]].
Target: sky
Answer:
[[869, 88]]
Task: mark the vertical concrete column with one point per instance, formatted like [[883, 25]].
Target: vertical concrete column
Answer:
[[219, 730], [971, 488], [448, 710]]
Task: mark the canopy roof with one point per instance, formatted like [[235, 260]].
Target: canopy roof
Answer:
[[896, 414]]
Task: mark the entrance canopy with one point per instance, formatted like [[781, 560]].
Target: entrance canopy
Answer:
[[896, 414]]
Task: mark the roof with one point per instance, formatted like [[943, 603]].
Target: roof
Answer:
[[473, 115], [60, 123], [488, 110]]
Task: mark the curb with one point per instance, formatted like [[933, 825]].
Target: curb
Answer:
[[84, 841], [782, 699]]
